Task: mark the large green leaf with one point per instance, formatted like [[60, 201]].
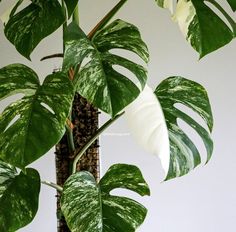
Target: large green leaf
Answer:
[[184, 155], [30, 126], [88, 206], [19, 195], [28, 27], [201, 26], [70, 5], [98, 81]]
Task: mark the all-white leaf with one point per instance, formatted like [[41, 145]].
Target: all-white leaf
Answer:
[[147, 124]]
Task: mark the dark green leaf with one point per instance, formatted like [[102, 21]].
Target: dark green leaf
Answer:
[[202, 27], [184, 154], [232, 3], [39, 116], [29, 26], [98, 81], [18, 198], [89, 207], [70, 5]]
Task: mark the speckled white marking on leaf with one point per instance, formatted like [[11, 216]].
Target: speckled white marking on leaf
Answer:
[[89, 207]]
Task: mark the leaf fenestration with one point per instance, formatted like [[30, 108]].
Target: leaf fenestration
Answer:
[[98, 81], [88, 206], [41, 112], [28, 27], [184, 155]]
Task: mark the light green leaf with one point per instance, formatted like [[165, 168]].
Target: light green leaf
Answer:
[[88, 206], [19, 195], [30, 126], [184, 155], [203, 29], [70, 5], [98, 81], [232, 4], [28, 27]]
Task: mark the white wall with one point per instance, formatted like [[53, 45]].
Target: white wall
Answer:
[[203, 201]]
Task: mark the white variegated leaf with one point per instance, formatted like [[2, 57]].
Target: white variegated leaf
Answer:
[[147, 124], [30, 126], [184, 156], [161, 134], [202, 27], [27, 27], [99, 82], [89, 207]]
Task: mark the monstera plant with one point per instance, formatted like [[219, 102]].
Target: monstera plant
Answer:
[[36, 122]]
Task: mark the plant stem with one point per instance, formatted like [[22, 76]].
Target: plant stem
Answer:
[[220, 8], [70, 139], [69, 131], [80, 153], [53, 185], [107, 18], [64, 24]]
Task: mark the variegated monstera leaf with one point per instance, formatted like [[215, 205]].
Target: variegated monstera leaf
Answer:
[[30, 126], [88, 206], [184, 156], [19, 195], [204, 29], [98, 81], [153, 118], [26, 28]]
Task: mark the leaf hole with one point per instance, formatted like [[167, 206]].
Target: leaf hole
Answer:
[[191, 113], [47, 107], [127, 73], [194, 137], [127, 55], [219, 13], [16, 118], [9, 100], [85, 61], [125, 193]]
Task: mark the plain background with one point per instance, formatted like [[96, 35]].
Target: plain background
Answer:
[[204, 200]]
